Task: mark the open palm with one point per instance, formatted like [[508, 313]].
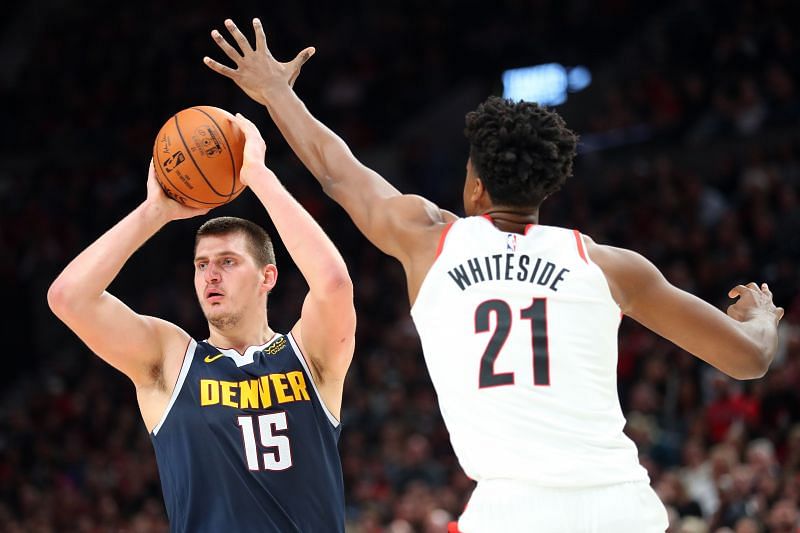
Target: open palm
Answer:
[[257, 72]]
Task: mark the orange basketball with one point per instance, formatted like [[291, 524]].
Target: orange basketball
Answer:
[[197, 157]]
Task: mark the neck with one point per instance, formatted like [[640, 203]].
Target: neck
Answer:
[[243, 334], [512, 219]]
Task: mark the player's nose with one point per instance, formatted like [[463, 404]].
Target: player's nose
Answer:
[[212, 273]]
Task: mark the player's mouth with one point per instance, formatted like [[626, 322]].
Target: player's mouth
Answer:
[[214, 295]]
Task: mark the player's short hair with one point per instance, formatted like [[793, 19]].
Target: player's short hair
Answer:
[[522, 151], [258, 241]]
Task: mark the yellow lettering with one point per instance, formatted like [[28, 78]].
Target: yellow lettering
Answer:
[[263, 391], [228, 393], [248, 394], [209, 392], [280, 388], [298, 383]]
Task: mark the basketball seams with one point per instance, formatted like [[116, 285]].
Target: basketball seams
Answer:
[[158, 168], [200, 170], [228, 146]]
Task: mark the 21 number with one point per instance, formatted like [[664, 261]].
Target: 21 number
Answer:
[[537, 314]]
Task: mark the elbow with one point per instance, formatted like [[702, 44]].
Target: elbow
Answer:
[[61, 298], [339, 283], [336, 281], [57, 298]]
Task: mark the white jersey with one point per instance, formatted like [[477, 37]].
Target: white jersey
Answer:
[[519, 334]]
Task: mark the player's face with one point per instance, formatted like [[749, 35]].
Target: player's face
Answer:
[[227, 281]]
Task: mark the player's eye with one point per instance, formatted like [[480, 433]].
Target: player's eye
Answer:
[[201, 266], [228, 261]]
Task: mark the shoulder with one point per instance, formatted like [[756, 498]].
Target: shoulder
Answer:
[[417, 210], [626, 271], [611, 257], [418, 224]]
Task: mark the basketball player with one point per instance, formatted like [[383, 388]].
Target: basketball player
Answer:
[[518, 320], [245, 423]]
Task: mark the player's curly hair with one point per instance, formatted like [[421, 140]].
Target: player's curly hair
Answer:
[[521, 151]]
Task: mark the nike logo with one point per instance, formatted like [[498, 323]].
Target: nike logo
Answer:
[[212, 358]]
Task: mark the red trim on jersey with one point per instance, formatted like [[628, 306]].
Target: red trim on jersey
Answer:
[[528, 228], [442, 238], [452, 527], [579, 242], [489, 218]]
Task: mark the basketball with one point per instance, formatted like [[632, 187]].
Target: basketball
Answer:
[[197, 157]]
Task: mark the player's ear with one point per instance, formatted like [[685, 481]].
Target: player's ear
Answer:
[[477, 190], [269, 277]]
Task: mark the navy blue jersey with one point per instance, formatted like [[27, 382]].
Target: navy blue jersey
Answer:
[[247, 445]]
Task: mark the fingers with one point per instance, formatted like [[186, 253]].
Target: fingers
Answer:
[[741, 290], [240, 39], [779, 313], [219, 68], [304, 56], [229, 50], [298, 62], [737, 291], [244, 122], [261, 37], [250, 130]]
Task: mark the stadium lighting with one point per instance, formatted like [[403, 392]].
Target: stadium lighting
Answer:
[[546, 84]]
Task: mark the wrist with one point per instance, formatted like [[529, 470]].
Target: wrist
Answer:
[[269, 94], [154, 212]]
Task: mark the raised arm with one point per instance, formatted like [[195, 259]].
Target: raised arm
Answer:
[[741, 343], [133, 344], [397, 224], [326, 329]]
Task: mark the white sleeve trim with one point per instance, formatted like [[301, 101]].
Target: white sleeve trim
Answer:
[[188, 357], [332, 419]]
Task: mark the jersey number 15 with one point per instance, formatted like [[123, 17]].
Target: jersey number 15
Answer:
[[537, 314], [279, 454]]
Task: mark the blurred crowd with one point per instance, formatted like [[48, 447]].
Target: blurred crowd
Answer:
[[711, 197], [705, 70]]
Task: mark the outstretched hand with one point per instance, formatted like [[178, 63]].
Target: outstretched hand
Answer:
[[165, 205], [257, 73], [753, 300]]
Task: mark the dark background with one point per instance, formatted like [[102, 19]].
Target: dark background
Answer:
[[690, 155]]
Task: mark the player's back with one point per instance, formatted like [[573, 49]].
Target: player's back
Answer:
[[520, 337], [247, 445]]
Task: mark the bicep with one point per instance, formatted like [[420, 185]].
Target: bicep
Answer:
[[133, 344], [327, 331]]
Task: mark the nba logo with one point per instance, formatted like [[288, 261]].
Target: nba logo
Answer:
[[511, 242]]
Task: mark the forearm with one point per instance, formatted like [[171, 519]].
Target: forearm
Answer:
[[325, 154], [308, 137], [91, 272], [310, 248]]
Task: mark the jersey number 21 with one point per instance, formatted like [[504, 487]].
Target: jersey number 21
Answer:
[[537, 314]]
